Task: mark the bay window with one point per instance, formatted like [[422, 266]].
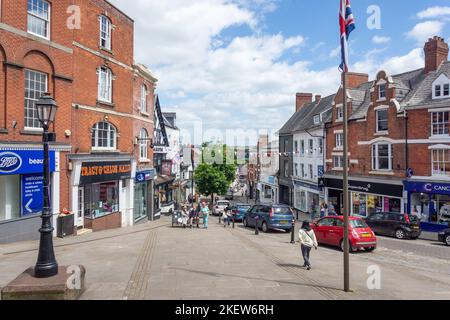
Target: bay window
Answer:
[[382, 156]]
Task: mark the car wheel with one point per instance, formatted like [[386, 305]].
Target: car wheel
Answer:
[[265, 229], [245, 223], [400, 234], [371, 249], [447, 240], [350, 246]]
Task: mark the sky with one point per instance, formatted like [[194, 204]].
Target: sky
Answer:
[[237, 64]]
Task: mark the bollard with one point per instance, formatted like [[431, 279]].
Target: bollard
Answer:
[[293, 231], [256, 226], [220, 218], [233, 221]]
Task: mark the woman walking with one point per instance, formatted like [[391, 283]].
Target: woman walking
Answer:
[[308, 241], [205, 213]]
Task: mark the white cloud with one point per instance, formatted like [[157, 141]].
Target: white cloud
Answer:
[[434, 12], [335, 52], [380, 40], [424, 30]]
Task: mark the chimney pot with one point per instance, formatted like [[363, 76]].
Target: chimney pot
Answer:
[[318, 97]]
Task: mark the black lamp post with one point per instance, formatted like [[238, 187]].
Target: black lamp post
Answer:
[[46, 265]]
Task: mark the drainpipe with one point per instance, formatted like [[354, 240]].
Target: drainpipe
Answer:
[[405, 115]]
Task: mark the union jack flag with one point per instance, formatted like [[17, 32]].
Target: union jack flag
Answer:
[[347, 25]]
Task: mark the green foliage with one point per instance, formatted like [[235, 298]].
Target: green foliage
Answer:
[[210, 180]]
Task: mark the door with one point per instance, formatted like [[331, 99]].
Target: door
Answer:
[[80, 213], [375, 222], [336, 232], [322, 230]]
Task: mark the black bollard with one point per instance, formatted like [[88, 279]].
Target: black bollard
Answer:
[[256, 226], [293, 231], [220, 218], [233, 221]]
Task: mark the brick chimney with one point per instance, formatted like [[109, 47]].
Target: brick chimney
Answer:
[[302, 99], [436, 52], [355, 79], [318, 98]]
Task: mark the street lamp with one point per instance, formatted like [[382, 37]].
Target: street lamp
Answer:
[[46, 265]]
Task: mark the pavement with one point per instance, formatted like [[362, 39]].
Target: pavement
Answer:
[[154, 261]]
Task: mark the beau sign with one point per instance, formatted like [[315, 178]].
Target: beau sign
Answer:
[[9, 162]]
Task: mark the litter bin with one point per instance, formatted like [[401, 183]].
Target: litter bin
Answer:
[[65, 225]]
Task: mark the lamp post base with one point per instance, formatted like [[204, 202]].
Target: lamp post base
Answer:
[[68, 284]]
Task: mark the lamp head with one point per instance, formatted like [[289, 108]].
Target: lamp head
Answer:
[[46, 109]]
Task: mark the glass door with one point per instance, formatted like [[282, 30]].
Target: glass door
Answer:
[[80, 213]]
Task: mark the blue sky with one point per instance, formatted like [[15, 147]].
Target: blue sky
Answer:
[[237, 64]]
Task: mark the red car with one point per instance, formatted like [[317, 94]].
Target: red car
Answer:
[[330, 231]]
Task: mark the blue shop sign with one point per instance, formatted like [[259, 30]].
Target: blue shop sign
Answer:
[[32, 194], [24, 162], [428, 187], [272, 180], [144, 176]]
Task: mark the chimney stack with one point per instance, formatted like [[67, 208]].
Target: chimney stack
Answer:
[[318, 98], [355, 79], [436, 52], [302, 99]]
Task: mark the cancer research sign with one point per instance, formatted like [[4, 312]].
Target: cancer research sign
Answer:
[[24, 161]]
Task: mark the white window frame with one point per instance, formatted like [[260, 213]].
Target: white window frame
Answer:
[[338, 162], [310, 147], [143, 145], [296, 169], [302, 148], [320, 142], [442, 126], [302, 166], [144, 94], [378, 120], [47, 21], [339, 137], [111, 129], [376, 157], [439, 86], [311, 171], [443, 160], [108, 27], [340, 113], [105, 90], [382, 93], [30, 102], [317, 119]]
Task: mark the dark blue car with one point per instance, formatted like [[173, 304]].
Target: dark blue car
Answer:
[[239, 210], [276, 216]]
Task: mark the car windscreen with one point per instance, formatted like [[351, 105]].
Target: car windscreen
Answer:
[[222, 203], [244, 207], [358, 224], [282, 210]]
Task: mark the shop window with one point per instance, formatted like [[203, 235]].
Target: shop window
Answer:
[[382, 120], [300, 200], [374, 204], [359, 204], [440, 123], [39, 18], [382, 156], [441, 162], [10, 199], [35, 87], [105, 78], [105, 32], [101, 199], [104, 136]]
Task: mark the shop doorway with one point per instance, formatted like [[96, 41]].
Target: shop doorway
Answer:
[[80, 213], [335, 198]]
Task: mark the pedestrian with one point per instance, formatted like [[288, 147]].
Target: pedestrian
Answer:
[[308, 241], [323, 210], [331, 210], [191, 217], [225, 216], [184, 216], [205, 213]]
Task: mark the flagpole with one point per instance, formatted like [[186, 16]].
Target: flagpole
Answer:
[[345, 187]]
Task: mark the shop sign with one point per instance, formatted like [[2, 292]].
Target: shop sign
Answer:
[[424, 187], [144, 176], [272, 180], [23, 162], [32, 194], [320, 171], [93, 172], [367, 187], [307, 185], [166, 168]]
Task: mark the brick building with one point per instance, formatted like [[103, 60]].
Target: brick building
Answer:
[[399, 143], [104, 123]]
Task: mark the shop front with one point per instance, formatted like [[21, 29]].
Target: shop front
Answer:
[[366, 197], [267, 189], [21, 192], [430, 201], [308, 197], [163, 198], [102, 193], [143, 195]]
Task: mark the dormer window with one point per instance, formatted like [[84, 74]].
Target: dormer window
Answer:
[[382, 91], [317, 119], [441, 87]]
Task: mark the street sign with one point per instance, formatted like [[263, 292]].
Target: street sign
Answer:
[[321, 171], [32, 194]]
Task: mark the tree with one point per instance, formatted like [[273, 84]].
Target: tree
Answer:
[[210, 180]]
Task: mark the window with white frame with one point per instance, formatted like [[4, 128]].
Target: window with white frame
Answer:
[[440, 123], [441, 162], [382, 120], [310, 147], [296, 147], [340, 113], [296, 169], [382, 156], [382, 91], [39, 18], [35, 87], [105, 78], [320, 146], [302, 147], [338, 162], [104, 136], [339, 140], [105, 32], [302, 170], [441, 87], [144, 99], [317, 119], [311, 171], [286, 168], [143, 145]]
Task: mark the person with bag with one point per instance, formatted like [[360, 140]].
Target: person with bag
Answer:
[[308, 240]]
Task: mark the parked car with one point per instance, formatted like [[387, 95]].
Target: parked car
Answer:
[[399, 225], [220, 207], [269, 217], [444, 236], [330, 231], [239, 211]]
